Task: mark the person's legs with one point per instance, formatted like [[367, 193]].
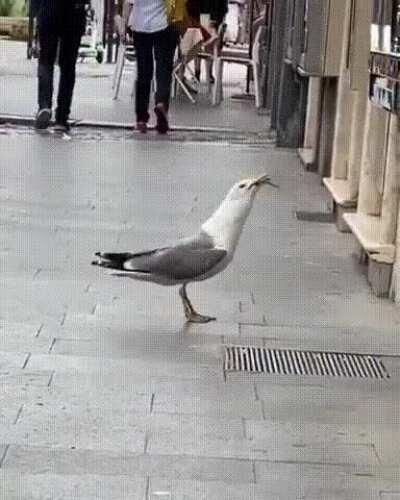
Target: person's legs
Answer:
[[48, 39], [71, 34], [165, 43], [144, 58]]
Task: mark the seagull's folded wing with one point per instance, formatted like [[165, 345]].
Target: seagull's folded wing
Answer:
[[177, 262]]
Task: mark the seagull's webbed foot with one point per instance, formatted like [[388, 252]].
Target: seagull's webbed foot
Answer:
[[195, 317], [191, 315]]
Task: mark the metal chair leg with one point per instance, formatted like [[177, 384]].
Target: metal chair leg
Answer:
[[183, 87], [120, 64], [208, 65], [218, 93], [256, 77]]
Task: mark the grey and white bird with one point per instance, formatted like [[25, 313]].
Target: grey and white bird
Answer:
[[197, 257]]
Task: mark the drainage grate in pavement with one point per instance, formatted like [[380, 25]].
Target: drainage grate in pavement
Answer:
[[324, 217], [290, 362]]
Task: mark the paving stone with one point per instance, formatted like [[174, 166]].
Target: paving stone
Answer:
[[191, 438], [10, 361], [123, 384], [329, 453], [9, 410], [121, 345], [346, 403], [316, 481], [220, 404], [3, 451], [13, 341], [88, 397], [39, 460], [132, 376], [25, 378], [200, 389], [198, 436], [303, 432], [23, 330], [243, 340], [76, 427], [359, 339], [141, 366], [389, 456], [160, 489], [72, 487], [13, 397]]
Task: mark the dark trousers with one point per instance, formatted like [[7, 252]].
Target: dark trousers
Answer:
[[159, 47], [60, 27]]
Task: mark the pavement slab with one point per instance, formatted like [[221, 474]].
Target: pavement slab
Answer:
[[15, 486], [107, 393], [43, 460]]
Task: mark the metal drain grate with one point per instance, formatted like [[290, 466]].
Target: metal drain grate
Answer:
[[289, 362]]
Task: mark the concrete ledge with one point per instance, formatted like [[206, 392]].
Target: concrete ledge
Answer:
[[307, 157], [380, 257], [368, 229], [340, 191]]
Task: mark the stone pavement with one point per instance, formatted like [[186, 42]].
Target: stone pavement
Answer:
[[93, 94], [107, 393]]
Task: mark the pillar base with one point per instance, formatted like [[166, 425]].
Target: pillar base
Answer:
[[342, 202], [380, 256], [379, 276], [307, 157], [340, 211], [368, 229]]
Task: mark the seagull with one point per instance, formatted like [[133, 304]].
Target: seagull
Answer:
[[195, 258]]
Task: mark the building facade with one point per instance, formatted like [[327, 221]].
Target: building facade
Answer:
[[334, 94]]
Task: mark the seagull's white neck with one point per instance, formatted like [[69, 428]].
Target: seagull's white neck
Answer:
[[226, 223]]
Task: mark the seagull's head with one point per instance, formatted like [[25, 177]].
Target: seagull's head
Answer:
[[246, 189]]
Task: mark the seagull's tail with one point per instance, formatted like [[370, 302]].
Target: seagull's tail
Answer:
[[111, 260]]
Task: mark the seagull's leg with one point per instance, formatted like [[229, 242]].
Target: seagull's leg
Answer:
[[191, 315]]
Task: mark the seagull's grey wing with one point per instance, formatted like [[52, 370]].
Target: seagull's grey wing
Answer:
[[180, 262]]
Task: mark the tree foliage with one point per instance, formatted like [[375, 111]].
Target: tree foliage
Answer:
[[13, 8]]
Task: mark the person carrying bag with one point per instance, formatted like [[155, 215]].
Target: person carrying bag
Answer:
[[156, 25]]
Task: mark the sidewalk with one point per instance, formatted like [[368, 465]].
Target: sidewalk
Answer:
[[93, 95], [107, 394]]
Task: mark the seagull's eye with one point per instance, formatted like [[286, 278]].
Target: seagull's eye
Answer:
[[242, 186]]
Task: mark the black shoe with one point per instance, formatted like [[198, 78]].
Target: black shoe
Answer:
[[43, 118], [162, 120], [62, 127], [141, 127]]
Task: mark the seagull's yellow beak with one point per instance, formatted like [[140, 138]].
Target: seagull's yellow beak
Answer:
[[263, 179]]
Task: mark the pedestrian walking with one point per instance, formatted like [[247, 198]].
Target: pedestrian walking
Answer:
[[61, 24], [155, 28]]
